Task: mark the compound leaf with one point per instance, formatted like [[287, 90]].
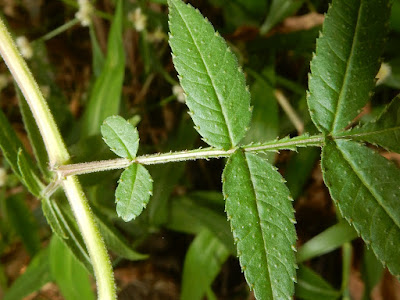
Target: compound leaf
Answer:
[[365, 187], [259, 209], [133, 191], [209, 74], [346, 61], [384, 131], [121, 136]]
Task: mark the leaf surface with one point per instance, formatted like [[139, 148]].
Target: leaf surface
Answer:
[[365, 187], [23, 222], [279, 10], [63, 224], [346, 61], [133, 192], [311, 286], [121, 136], [10, 144], [327, 241], [35, 276], [105, 95], [28, 174], [258, 206], [69, 274], [115, 241], [384, 131], [203, 261], [217, 96]]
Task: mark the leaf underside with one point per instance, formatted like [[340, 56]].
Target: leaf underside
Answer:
[[346, 61], [385, 131], [121, 136], [365, 187], [259, 208], [133, 192], [217, 96]]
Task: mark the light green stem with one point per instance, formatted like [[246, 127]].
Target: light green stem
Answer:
[[58, 155], [206, 153]]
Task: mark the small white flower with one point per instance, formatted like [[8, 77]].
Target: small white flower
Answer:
[[156, 36], [178, 91], [24, 47], [84, 13], [384, 72], [138, 18], [3, 177]]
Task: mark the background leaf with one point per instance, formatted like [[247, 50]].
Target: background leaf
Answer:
[[28, 173], [115, 241], [105, 95], [23, 222], [384, 131], [203, 262], [326, 241], [364, 185], [193, 209], [216, 91], [59, 216], [35, 276], [279, 10], [258, 206], [121, 136], [70, 275], [133, 192], [346, 61], [311, 286]]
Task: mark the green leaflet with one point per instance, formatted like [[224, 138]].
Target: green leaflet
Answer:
[[259, 209], [384, 131], [346, 61], [106, 92], [365, 187], [121, 136], [133, 192], [217, 96], [203, 261]]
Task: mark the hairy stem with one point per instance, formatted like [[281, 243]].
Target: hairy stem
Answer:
[[59, 155], [207, 153]]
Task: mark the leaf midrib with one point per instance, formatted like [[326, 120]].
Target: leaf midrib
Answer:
[[259, 222], [369, 188], [209, 75], [347, 72], [369, 133]]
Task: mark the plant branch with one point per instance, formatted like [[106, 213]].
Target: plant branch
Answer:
[[206, 153], [59, 155]]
